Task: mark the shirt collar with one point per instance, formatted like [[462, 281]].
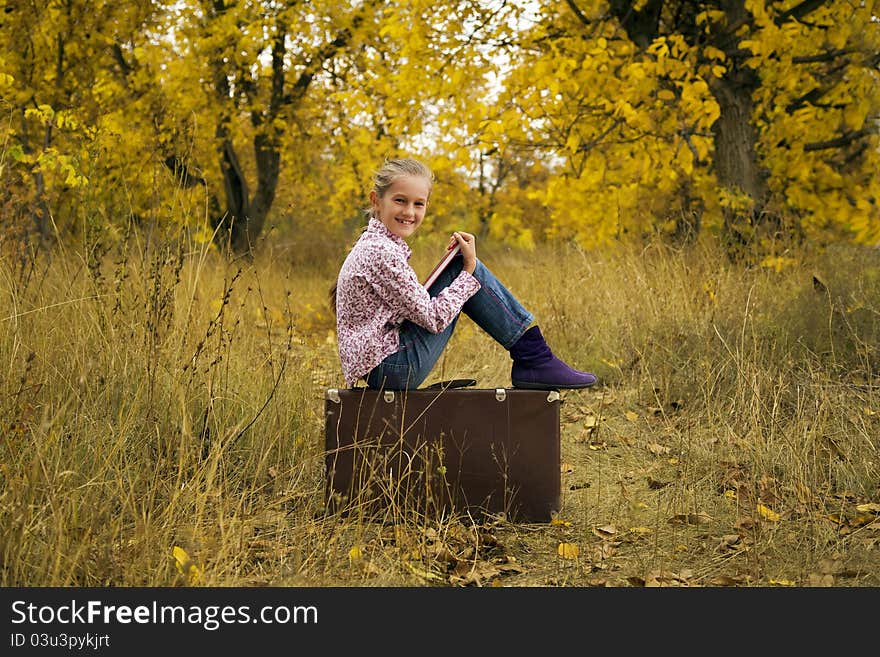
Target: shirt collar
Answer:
[[376, 226]]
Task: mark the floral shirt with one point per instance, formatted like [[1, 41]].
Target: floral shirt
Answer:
[[376, 290]]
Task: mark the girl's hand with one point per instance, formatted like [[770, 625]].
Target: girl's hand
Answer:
[[467, 242]]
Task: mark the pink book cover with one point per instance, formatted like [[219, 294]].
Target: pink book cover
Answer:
[[444, 261]]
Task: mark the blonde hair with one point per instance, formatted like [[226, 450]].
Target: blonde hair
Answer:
[[385, 176]]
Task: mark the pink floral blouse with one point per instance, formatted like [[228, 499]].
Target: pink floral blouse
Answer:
[[376, 290]]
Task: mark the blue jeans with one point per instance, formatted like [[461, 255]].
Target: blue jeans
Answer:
[[493, 308]]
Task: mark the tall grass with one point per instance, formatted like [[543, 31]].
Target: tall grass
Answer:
[[161, 396]]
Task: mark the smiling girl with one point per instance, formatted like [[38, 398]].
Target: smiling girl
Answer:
[[391, 330]]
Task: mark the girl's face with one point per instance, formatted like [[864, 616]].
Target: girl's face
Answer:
[[402, 207]]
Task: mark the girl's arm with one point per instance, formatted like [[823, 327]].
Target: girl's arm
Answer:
[[397, 285]]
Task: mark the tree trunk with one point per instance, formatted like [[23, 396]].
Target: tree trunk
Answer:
[[737, 168], [244, 218], [231, 227]]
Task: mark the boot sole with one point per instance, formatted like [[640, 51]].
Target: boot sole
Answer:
[[544, 386]]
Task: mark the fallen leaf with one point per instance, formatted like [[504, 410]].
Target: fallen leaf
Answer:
[[186, 566], [355, 553], [745, 523], [871, 507], [658, 450], [825, 580], [730, 542], [690, 519], [559, 521], [641, 530], [424, 573], [781, 582], [605, 531], [767, 513], [632, 416], [568, 550], [665, 578], [467, 573]]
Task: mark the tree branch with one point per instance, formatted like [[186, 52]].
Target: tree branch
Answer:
[[822, 57], [799, 11], [326, 52], [843, 140], [577, 12]]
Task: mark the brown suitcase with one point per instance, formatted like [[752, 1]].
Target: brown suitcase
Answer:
[[439, 450]]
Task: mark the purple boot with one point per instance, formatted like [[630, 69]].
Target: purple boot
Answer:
[[535, 366]]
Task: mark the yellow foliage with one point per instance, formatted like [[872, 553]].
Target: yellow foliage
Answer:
[[574, 133]]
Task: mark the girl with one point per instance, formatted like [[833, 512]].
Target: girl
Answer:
[[391, 330]]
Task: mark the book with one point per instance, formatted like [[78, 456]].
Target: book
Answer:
[[440, 266]]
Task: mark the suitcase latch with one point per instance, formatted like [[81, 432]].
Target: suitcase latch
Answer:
[[333, 395], [500, 394]]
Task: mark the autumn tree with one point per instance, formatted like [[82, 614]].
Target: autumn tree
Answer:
[[214, 104], [53, 66], [578, 119], [726, 113], [324, 88]]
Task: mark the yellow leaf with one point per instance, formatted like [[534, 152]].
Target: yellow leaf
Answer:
[[185, 565], [355, 553], [180, 555], [559, 521], [870, 507], [568, 550], [714, 53], [632, 416], [781, 582], [768, 513], [641, 530]]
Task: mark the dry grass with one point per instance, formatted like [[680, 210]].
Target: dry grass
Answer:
[[164, 397]]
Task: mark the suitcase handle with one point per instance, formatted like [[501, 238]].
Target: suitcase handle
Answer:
[[451, 383]]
